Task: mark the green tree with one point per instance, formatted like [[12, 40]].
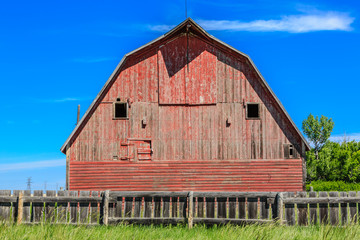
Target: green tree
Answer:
[[317, 130]]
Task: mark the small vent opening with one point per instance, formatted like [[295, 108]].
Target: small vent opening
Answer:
[[120, 110], [252, 110]]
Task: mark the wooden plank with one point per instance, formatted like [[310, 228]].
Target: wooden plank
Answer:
[[118, 207], [62, 208], [14, 209], [232, 207], [73, 208], [94, 209], [200, 208], [313, 209], [105, 211], [26, 208], [221, 207], [174, 207], [50, 210], [5, 206], [38, 208], [166, 207], [157, 207], [137, 206], [353, 210], [128, 206], [242, 207], [252, 208], [290, 211], [191, 209], [84, 208], [182, 206], [334, 210], [323, 209], [20, 205], [264, 208], [210, 207], [344, 210], [302, 211], [148, 207]]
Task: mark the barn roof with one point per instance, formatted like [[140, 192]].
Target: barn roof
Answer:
[[173, 31]]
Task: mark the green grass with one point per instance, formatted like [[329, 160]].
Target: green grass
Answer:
[[65, 232]]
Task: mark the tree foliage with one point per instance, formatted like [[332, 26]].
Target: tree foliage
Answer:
[[335, 162], [317, 130]]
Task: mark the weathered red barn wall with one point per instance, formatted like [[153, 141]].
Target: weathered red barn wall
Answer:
[[186, 107]]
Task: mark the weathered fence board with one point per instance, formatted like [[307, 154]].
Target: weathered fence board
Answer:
[[264, 208], [313, 209], [210, 207], [50, 208], [290, 211], [5, 207], [344, 210], [62, 208], [137, 207], [334, 209], [232, 207], [94, 208], [353, 209], [84, 208], [323, 209], [73, 208], [302, 211], [128, 206], [221, 207], [242, 208], [148, 207], [38, 208]]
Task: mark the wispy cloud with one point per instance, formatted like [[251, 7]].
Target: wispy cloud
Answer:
[[345, 136], [62, 100], [301, 23], [93, 60], [32, 165]]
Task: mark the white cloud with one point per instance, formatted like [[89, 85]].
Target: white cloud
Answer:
[[347, 137], [93, 60], [32, 165], [62, 100], [308, 22]]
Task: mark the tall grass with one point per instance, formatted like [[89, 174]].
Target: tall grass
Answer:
[[70, 232]]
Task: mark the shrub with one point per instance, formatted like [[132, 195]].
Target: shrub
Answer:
[[333, 186]]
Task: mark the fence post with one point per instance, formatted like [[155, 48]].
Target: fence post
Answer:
[[191, 210], [277, 208], [105, 216], [20, 205]]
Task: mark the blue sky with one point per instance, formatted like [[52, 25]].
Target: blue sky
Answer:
[[55, 55]]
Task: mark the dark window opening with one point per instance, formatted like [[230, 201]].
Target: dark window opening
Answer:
[[291, 150], [118, 99], [252, 110], [120, 110]]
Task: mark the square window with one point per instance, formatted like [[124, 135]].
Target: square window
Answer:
[[252, 110], [120, 110]]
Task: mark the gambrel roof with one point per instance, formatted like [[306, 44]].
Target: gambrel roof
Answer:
[[199, 30]]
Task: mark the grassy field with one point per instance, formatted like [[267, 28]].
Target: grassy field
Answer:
[[65, 232]]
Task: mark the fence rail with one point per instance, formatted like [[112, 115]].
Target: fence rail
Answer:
[[113, 207]]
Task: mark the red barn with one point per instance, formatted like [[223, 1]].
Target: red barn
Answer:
[[186, 112]]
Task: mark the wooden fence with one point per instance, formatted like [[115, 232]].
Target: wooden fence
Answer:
[[92, 208]]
